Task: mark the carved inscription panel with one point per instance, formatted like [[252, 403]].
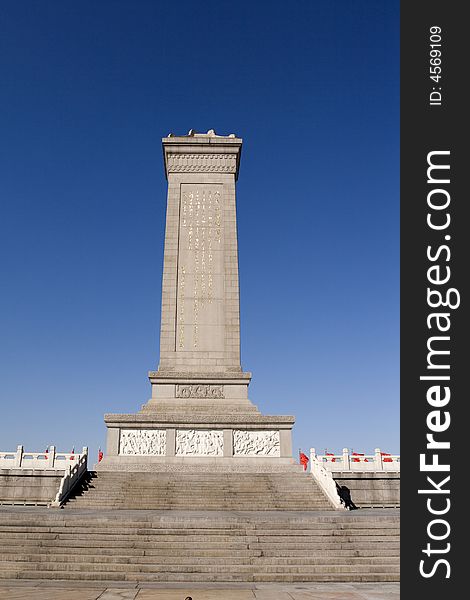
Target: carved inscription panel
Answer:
[[256, 443], [143, 442], [200, 391], [199, 442], [200, 290]]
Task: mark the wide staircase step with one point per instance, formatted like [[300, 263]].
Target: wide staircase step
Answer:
[[291, 490], [189, 546]]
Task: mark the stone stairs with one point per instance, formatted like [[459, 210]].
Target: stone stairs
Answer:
[[290, 490], [211, 546]]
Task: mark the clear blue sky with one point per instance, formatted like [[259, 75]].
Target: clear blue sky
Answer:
[[88, 89]]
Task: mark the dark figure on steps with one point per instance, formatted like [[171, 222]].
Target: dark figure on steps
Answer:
[[345, 496]]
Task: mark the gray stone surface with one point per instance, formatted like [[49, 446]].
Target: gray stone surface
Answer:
[[371, 489], [203, 490], [200, 320], [199, 402], [199, 547], [29, 486], [38, 590]]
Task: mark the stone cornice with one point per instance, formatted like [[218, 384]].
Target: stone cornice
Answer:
[[231, 420], [202, 155], [207, 377]]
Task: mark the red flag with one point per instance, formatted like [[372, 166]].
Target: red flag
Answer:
[[357, 454], [303, 458], [387, 457], [72, 454], [100, 455], [330, 454]]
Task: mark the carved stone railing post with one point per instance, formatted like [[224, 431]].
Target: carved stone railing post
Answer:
[[51, 457], [346, 460], [378, 463], [19, 456], [313, 456]]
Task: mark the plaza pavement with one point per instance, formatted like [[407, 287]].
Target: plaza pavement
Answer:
[[65, 590]]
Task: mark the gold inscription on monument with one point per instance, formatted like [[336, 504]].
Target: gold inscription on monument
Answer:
[[201, 234]]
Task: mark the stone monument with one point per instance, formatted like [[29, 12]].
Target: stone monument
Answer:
[[199, 414]]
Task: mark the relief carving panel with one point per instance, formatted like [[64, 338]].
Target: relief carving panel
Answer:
[[199, 442], [256, 443], [200, 391], [143, 442], [201, 163]]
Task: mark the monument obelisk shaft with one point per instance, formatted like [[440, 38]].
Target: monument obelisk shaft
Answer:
[[200, 323], [200, 326]]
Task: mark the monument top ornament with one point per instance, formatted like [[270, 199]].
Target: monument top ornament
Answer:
[[199, 390], [202, 153], [211, 134]]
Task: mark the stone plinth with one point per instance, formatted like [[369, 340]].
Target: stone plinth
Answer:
[[199, 410], [233, 440]]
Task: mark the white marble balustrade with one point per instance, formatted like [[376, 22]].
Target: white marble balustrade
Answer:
[[348, 461], [58, 461]]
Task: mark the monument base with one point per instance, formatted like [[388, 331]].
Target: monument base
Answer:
[[198, 420], [153, 440], [149, 464]]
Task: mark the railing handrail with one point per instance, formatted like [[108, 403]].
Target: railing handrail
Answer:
[[73, 474], [356, 458], [350, 461], [325, 480], [49, 459]]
